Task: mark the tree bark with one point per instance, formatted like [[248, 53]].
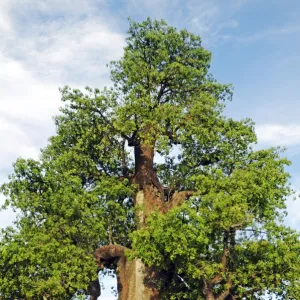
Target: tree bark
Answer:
[[134, 278], [150, 194], [132, 283], [94, 289]]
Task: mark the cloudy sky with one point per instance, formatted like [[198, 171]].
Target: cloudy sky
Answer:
[[48, 44]]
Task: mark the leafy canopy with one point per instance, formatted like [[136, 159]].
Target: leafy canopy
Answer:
[[228, 240]]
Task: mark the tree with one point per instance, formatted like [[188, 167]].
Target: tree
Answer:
[[204, 221]]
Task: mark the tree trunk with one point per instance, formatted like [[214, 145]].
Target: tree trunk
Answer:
[[133, 276], [132, 282], [134, 279]]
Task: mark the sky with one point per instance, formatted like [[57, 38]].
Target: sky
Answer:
[[48, 44]]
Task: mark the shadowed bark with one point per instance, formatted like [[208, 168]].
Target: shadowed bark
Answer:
[[131, 274], [94, 290]]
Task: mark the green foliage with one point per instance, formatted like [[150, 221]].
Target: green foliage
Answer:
[[237, 217], [228, 238], [62, 220], [38, 263]]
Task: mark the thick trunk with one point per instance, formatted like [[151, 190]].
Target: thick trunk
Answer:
[[150, 195], [133, 276], [135, 280], [132, 282]]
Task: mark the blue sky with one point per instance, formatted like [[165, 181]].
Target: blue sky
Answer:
[[51, 43]]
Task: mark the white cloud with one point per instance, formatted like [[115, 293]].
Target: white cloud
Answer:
[[37, 57], [63, 43], [68, 7], [73, 51], [14, 137], [27, 105], [6, 217], [5, 22], [276, 134], [23, 95]]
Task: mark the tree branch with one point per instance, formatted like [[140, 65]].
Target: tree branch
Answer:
[[161, 92], [178, 198], [110, 123], [219, 277], [250, 292], [109, 252], [224, 294]]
